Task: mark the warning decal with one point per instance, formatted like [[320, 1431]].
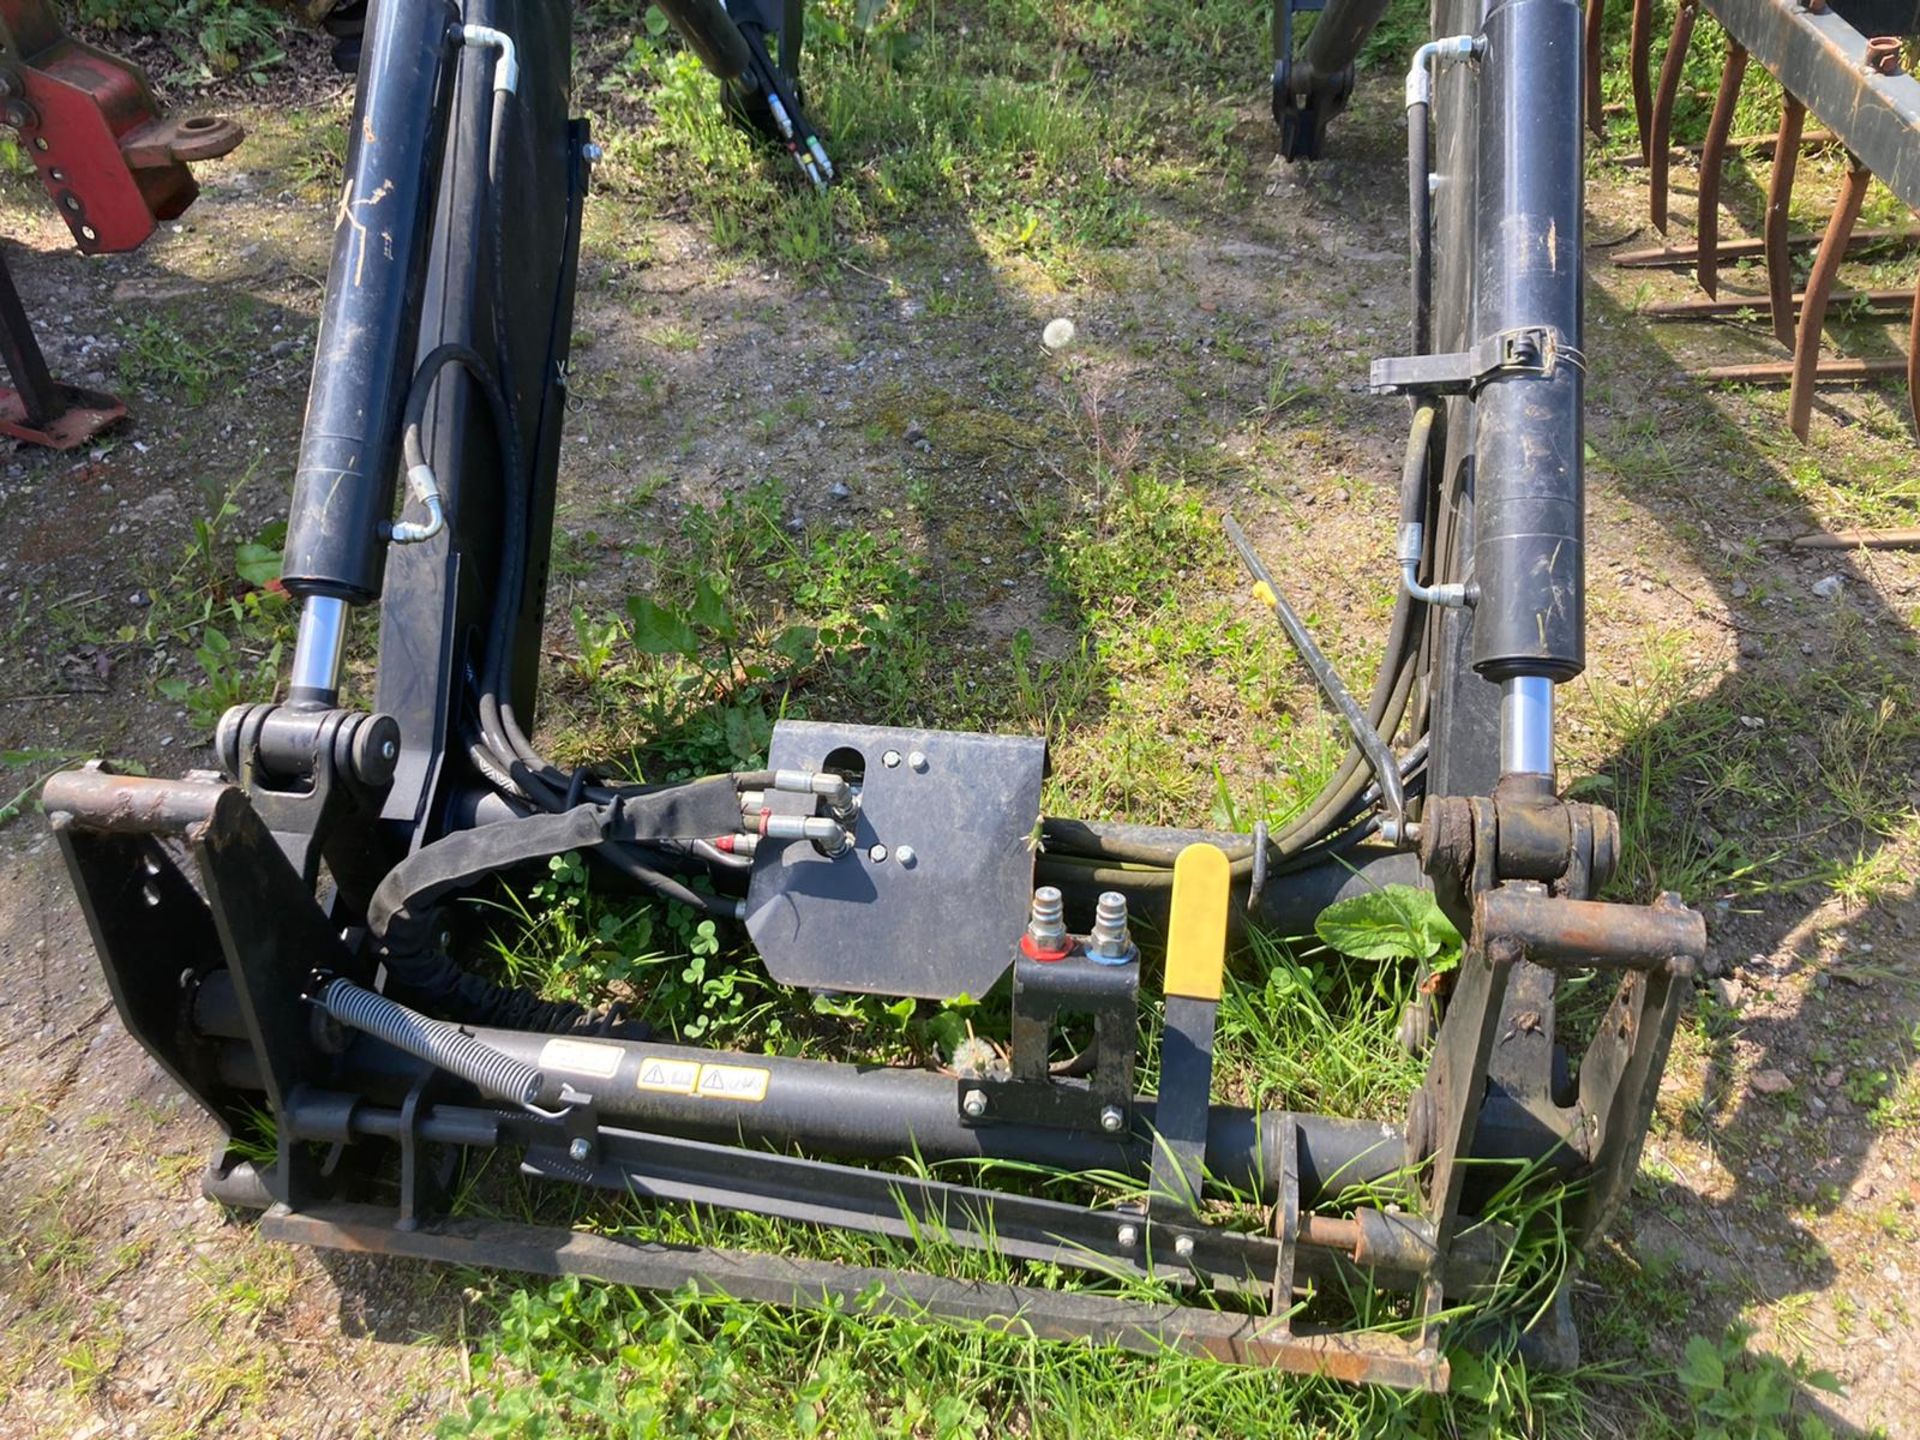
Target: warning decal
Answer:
[[733, 1082], [746, 1083], [676, 1077], [582, 1056]]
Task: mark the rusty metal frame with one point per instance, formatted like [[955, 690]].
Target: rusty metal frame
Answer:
[[1364, 1356], [1854, 85]]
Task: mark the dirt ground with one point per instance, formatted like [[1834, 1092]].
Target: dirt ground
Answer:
[[1781, 1184]]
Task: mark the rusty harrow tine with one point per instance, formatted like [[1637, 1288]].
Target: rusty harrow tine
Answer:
[[1786, 158], [1659, 156], [1713, 158], [1848, 371], [1596, 19], [1871, 238], [1640, 61], [1879, 302], [1813, 310], [1913, 358]]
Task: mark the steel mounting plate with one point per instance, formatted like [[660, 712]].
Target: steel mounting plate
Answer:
[[943, 922]]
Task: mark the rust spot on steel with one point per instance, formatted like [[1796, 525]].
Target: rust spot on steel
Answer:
[[99, 799], [1551, 931]]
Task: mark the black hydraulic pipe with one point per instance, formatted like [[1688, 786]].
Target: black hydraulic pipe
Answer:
[[852, 1111], [363, 358], [1327, 59], [711, 34], [1380, 758], [1420, 221], [878, 1111], [1529, 546]]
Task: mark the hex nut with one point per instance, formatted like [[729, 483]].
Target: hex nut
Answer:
[[974, 1104]]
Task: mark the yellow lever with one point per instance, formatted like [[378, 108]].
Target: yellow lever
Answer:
[[1197, 928]]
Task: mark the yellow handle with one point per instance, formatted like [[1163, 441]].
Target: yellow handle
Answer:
[[1197, 928]]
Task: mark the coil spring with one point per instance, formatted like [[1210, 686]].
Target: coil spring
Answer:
[[439, 1044]]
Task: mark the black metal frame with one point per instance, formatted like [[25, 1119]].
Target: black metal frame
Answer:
[[220, 872]]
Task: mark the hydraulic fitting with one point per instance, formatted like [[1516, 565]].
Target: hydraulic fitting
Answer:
[[1412, 542], [1046, 937], [426, 489], [801, 827], [506, 70], [1110, 943]]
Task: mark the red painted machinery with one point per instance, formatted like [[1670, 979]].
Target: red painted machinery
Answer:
[[114, 169]]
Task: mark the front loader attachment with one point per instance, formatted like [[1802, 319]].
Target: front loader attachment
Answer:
[[285, 935]]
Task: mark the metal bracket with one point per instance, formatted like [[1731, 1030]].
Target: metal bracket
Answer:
[[1528, 350]]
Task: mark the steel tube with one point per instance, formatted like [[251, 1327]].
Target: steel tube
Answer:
[[319, 650], [1526, 726], [1529, 523]]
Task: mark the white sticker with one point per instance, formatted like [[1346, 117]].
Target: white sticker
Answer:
[[733, 1082], [581, 1056], [678, 1077]]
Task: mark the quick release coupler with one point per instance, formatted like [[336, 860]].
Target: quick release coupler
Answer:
[[1529, 523]]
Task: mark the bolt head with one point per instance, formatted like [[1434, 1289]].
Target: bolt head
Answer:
[[974, 1104], [580, 1150], [1183, 1247], [1128, 1236], [878, 854], [591, 153], [891, 759], [1111, 1119], [917, 761], [389, 750], [904, 854]]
